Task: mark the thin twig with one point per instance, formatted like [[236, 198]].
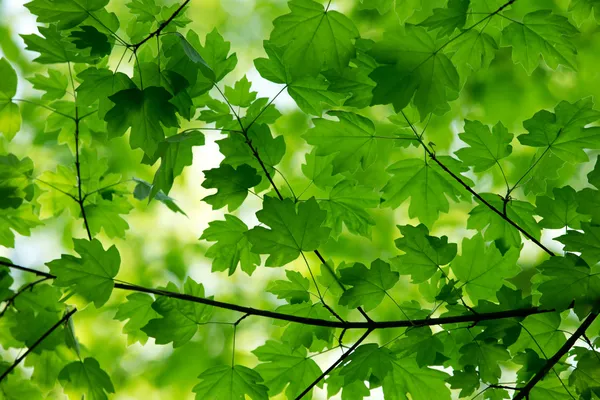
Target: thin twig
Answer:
[[37, 343], [524, 392], [335, 364]]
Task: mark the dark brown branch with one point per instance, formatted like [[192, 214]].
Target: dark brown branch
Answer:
[[37, 343], [524, 392], [160, 28], [474, 193], [334, 365], [517, 313]]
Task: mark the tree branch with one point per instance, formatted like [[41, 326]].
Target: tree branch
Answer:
[[160, 27], [524, 392], [516, 313], [80, 197], [37, 343], [334, 365], [474, 193]]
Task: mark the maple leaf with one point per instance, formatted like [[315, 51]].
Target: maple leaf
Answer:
[[285, 367], [180, 319], [232, 247], [232, 185], [413, 66], [485, 147], [230, 383], [291, 231], [424, 254], [86, 378], [10, 117], [92, 275], [369, 285], [427, 185], [314, 38], [144, 111], [541, 33]]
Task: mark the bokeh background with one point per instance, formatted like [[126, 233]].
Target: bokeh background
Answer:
[[163, 246]]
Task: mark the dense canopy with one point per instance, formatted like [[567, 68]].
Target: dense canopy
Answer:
[[257, 199]]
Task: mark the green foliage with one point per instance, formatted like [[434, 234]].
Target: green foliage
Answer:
[[490, 292]]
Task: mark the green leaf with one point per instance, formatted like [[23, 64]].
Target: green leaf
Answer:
[[180, 319], [20, 220], [559, 211], [227, 383], [567, 279], [240, 95], [407, 378], [292, 230], [65, 13], [474, 50], [448, 19], [485, 147], [269, 149], [352, 139], [467, 381], [531, 363], [366, 360], [587, 242], [297, 334], [348, 204], [54, 48], [486, 356], [541, 333], [10, 116], [55, 84], [232, 185], [175, 154], [85, 379], [424, 254], [13, 389], [10, 119], [285, 367], [138, 310], [143, 111], [413, 66], [427, 185], [581, 9], [497, 228], [311, 93], [563, 132], [586, 377], [232, 246], [98, 84], [541, 33], [90, 37], [106, 214], [142, 191], [92, 275], [15, 180], [315, 39], [319, 169], [483, 269], [369, 285], [216, 54], [145, 10], [294, 290]]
